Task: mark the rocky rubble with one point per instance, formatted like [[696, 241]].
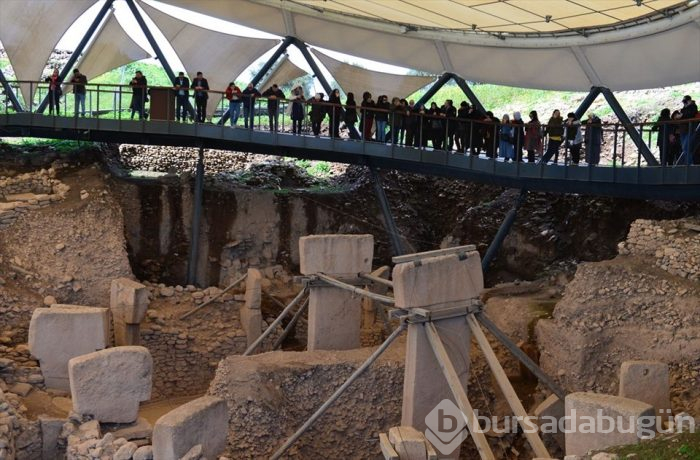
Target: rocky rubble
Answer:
[[640, 305], [20, 438], [674, 246], [221, 167]]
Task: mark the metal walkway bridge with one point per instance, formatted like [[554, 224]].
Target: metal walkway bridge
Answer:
[[635, 180]]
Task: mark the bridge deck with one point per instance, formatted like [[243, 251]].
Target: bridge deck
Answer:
[[644, 182]]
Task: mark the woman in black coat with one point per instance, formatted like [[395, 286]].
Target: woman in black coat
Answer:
[[335, 111], [351, 116], [666, 136], [317, 113]]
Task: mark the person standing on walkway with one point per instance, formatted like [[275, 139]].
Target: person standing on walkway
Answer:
[[533, 137], [233, 94], [201, 95], [506, 139], [573, 137], [249, 96], [335, 112], [182, 96], [139, 88], [367, 115], [79, 81], [297, 109], [351, 117], [317, 113], [518, 135], [594, 138], [689, 112], [555, 130], [55, 92], [273, 94]]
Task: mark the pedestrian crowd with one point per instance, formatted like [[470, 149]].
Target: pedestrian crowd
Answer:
[[465, 129]]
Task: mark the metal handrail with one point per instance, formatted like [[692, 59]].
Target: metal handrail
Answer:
[[112, 100]]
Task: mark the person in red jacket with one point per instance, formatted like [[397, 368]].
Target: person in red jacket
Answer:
[[233, 94]]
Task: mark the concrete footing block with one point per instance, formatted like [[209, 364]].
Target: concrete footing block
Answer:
[[647, 381]]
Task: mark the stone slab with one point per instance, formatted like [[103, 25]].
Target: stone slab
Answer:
[[409, 443], [437, 280], [109, 384], [60, 333], [647, 381], [336, 254], [424, 384], [129, 301], [104, 311], [201, 421], [582, 435], [50, 431], [140, 429], [251, 315], [335, 317]]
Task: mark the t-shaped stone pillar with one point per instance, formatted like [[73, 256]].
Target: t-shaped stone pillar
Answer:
[[335, 314], [128, 303], [433, 283]]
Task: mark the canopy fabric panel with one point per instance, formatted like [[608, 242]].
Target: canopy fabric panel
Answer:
[[111, 48], [284, 73], [29, 32], [570, 61], [221, 57], [358, 80]]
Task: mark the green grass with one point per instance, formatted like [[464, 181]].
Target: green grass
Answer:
[[685, 446], [320, 169], [60, 146]]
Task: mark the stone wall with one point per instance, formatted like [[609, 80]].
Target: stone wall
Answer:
[[186, 352], [270, 395], [20, 438], [673, 245], [28, 191]]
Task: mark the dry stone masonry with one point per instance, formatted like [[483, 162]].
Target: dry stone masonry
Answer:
[[28, 191]]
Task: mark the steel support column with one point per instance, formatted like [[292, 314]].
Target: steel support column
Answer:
[[10, 94], [154, 44], [78, 50], [196, 219], [503, 231], [586, 103], [389, 222], [627, 124]]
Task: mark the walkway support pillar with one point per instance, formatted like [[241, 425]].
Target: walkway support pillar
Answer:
[[10, 94], [587, 101], [196, 219], [631, 130], [312, 63], [503, 231], [273, 59], [389, 222], [78, 50]]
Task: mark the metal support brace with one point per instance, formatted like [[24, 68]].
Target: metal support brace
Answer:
[[444, 78], [78, 50], [389, 222], [586, 103], [503, 231], [461, 82], [154, 44], [196, 219], [312, 63], [520, 355], [273, 59], [631, 130], [10, 94], [334, 397], [254, 346]]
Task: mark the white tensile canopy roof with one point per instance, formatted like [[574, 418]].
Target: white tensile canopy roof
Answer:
[[111, 48], [29, 32], [357, 79], [549, 44], [285, 72], [221, 57]]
